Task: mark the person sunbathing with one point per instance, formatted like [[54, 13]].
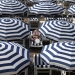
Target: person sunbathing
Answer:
[[36, 36]]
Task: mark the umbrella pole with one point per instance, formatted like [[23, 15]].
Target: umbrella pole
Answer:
[[28, 12], [72, 18], [26, 71], [24, 42], [69, 72], [50, 72]]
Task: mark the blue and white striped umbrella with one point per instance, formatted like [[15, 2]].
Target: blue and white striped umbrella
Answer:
[[11, 28], [37, 1], [13, 58], [12, 7], [46, 8], [58, 30], [71, 9], [59, 55], [69, 0]]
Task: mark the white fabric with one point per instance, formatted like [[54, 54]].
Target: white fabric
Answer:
[[37, 41]]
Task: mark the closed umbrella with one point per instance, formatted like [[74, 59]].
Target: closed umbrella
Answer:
[[14, 58], [11, 29], [58, 30], [59, 55], [12, 7], [46, 8]]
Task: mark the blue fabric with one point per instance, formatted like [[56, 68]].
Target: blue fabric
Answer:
[[58, 30], [47, 8], [14, 57], [71, 9], [59, 54], [12, 7], [11, 28]]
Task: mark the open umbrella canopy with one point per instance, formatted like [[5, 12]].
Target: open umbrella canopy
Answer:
[[58, 30], [69, 0], [59, 55], [12, 7], [14, 58], [37, 1], [71, 9], [11, 28], [45, 8]]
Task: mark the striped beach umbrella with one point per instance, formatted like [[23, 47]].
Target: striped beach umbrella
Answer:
[[71, 9], [37, 1], [69, 0], [46, 8], [12, 7], [14, 58], [59, 55], [58, 30], [11, 28]]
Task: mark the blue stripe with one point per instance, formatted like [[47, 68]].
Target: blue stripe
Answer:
[[51, 9], [15, 69], [12, 56], [54, 47], [12, 6]]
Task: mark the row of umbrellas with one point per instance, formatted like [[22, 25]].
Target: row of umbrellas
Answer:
[[63, 51], [37, 1], [50, 0], [11, 28], [14, 58], [50, 8], [69, 0], [16, 7], [60, 55]]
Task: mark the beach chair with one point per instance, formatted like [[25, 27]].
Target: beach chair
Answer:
[[40, 66], [19, 18], [49, 18], [33, 22], [62, 18]]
